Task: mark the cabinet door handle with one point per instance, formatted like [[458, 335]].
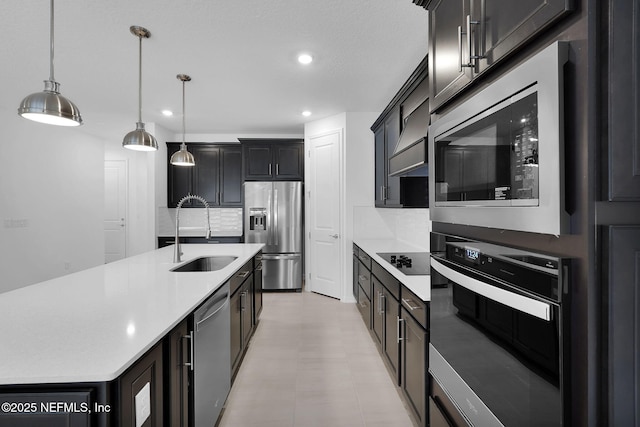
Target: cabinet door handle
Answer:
[[469, 63], [277, 169], [459, 48], [191, 364], [408, 302], [399, 338], [382, 303], [473, 58], [269, 168]]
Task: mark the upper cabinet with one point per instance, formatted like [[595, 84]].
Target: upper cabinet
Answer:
[[400, 138], [386, 138], [623, 101], [216, 176], [269, 160], [467, 37]]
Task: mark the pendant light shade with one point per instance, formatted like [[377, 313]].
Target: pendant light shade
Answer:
[[183, 157], [139, 139], [49, 106]]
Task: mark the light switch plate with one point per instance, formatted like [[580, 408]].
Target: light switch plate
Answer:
[[143, 404]]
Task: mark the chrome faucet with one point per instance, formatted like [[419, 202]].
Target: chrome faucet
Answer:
[[176, 249]]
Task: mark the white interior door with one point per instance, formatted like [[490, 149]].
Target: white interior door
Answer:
[[115, 210], [325, 228]]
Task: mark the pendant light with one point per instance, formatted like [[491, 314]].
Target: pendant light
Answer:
[[139, 139], [183, 157], [49, 106]]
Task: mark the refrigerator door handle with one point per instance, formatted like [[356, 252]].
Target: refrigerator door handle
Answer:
[[275, 217], [269, 212], [267, 257]]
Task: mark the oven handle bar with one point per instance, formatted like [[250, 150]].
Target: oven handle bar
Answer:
[[521, 303]]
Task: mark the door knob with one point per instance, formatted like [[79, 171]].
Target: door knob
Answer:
[[335, 236]]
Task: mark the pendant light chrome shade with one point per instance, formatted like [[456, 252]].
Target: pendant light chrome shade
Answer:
[[49, 106], [139, 139], [183, 157]]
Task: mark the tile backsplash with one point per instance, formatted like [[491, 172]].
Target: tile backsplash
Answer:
[[224, 221], [409, 225]]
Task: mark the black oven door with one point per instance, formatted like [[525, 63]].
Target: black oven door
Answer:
[[495, 351]]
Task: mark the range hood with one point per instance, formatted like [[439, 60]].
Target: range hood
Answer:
[[411, 151]]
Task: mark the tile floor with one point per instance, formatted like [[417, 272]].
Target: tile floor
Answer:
[[312, 362]]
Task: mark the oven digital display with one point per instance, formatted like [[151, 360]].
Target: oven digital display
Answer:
[[472, 254]]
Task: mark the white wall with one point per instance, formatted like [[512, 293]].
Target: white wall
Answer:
[[51, 201], [409, 225]]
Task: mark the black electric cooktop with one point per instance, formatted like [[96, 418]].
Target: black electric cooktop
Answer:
[[409, 263]]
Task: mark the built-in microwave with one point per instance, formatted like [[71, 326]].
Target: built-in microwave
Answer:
[[497, 160]]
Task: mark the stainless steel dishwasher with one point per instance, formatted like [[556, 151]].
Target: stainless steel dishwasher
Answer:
[[211, 357]]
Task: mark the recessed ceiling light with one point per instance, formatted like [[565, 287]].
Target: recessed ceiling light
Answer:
[[306, 113], [167, 113], [305, 58]]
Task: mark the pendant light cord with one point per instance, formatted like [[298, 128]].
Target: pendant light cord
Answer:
[[51, 77], [183, 117], [140, 79]]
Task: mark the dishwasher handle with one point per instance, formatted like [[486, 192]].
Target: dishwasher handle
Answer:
[[212, 309]]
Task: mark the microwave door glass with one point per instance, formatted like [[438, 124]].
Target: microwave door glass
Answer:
[[524, 157], [492, 160]]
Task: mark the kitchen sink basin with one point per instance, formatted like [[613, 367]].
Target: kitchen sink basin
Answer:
[[207, 263]]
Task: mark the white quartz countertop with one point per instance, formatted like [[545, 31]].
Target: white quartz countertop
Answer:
[[92, 325], [419, 285]]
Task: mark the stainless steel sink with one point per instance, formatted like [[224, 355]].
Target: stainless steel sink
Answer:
[[207, 263]]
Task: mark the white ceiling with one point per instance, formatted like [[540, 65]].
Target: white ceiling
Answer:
[[241, 55]]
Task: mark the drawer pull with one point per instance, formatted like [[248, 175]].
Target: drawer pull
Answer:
[[243, 274], [408, 302]]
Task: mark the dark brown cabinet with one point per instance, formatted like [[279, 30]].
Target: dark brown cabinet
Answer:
[[414, 356], [396, 191], [257, 288], [241, 314], [385, 305], [273, 160], [145, 379], [230, 176], [179, 179], [399, 325], [467, 37], [448, 73], [364, 290], [216, 176], [177, 376], [387, 188], [623, 151], [26, 409], [621, 265], [364, 306]]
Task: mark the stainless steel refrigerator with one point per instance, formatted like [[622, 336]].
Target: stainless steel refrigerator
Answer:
[[273, 216]]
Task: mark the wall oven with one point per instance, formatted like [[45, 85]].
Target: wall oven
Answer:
[[499, 334], [497, 159]]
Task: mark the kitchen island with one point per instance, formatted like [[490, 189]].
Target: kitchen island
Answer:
[[90, 327]]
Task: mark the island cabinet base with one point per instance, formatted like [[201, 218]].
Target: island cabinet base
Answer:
[[139, 392], [56, 405]]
